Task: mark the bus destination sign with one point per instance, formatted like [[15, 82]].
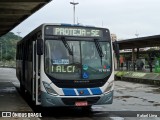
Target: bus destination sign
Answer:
[[82, 32]]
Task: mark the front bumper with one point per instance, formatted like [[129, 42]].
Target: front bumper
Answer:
[[48, 100]]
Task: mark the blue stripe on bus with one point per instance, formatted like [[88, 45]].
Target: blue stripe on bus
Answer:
[[69, 92], [96, 91], [83, 91], [66, 24]]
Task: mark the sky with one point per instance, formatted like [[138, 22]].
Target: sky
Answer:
[[125, 18]]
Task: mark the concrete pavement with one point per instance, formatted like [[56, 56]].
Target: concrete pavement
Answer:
[[10, 99]]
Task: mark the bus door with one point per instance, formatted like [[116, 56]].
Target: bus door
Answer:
[[36, 75]]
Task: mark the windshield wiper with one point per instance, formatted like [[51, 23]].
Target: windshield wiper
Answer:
[[67, 46], [99, 49]]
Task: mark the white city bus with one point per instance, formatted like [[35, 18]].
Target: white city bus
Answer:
[[66, 65]]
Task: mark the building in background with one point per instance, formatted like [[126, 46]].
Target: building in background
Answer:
[[113, 37]]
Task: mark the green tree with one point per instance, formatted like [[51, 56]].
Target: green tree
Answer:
[[9, 42]]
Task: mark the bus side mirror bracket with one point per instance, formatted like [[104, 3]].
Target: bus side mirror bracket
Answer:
[[116, 49], [39, 46]]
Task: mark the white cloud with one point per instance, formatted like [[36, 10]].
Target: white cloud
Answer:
[[122, 17]]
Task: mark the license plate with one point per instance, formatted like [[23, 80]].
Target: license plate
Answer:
[[81, 103]]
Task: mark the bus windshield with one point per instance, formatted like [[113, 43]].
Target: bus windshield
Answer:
[[85, 62]]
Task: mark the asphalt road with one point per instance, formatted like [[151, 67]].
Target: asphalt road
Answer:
[[130, 99]]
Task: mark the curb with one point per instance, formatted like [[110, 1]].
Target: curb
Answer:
[[139, 77]]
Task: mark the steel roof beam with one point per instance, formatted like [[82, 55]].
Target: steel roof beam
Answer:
[[39, 1], [14, 12]]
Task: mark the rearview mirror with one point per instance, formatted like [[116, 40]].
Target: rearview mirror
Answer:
[[116, 49], [40, 46]]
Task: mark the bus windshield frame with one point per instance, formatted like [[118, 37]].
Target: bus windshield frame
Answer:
[[63, 68]]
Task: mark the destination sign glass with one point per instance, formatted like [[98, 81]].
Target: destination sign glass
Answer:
[[73, 31]]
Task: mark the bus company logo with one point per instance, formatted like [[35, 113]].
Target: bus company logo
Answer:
[[81, 92], [6, 114]]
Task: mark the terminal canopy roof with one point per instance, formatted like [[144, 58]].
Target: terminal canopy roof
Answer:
[[13, 12], [150, 41]]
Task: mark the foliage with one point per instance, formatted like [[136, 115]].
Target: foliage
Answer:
[[8, 44]]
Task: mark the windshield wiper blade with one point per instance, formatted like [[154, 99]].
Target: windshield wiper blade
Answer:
[[67, 46], [99, 49]]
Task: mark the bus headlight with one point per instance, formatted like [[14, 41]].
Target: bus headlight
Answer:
[[109, 87], [49, 89]]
